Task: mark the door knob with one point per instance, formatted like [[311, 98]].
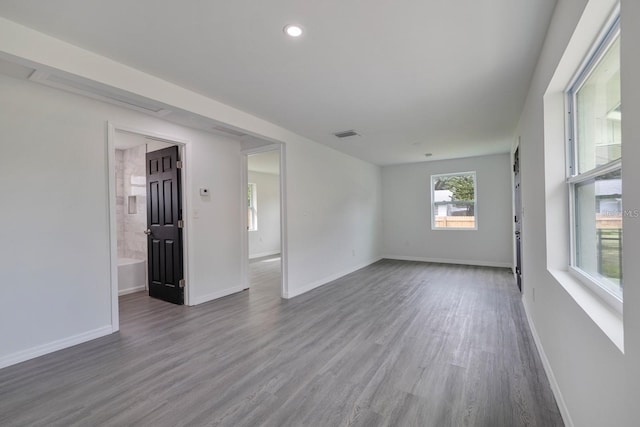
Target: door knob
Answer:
[[147, 231]]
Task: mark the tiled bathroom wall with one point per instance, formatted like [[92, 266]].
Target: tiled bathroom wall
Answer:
[[135, 192], [131, 207], [120, 201]]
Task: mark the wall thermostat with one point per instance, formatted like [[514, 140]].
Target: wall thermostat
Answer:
[[204, 191]]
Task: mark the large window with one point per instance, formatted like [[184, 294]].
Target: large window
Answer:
[[252, 208], [594, 172], [453, 201]]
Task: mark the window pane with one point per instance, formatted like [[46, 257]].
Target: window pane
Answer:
[[598, 232], [453, 201], [252, 213], [598, 113]]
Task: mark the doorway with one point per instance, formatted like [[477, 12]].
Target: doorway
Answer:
[[146, 209], [265, 255], [517, 198]]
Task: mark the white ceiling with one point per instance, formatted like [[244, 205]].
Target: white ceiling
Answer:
[[411, 76]]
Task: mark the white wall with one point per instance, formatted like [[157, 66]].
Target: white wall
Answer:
[[56, 266], [58, 293], [334, 201], [596, 384], [334, 214], [352, 205], [59, 261], [407, 213], [266, 239]]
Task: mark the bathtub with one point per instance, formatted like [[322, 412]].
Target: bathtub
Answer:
[[132, 275]]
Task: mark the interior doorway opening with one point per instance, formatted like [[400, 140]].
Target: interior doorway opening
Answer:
[[264, 225], [264, 222], [146, 208]]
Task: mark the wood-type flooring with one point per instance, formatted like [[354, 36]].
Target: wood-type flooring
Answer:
[[395, 344]]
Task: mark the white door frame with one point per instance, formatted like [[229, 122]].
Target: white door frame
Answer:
[[112, 128], [284, 253]]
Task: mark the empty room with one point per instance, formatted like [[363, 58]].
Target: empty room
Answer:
[[331, 213]]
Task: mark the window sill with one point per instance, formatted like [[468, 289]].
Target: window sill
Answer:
[[608, 319], [453, 229]]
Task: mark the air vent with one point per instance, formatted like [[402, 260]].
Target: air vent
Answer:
[[230, 131], [346, 134], [99, 91]]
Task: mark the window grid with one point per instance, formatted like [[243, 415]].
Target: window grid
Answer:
[[252, 211], [454, 201], [594, 179]]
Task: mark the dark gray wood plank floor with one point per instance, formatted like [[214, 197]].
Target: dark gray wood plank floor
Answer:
[[394, 344]]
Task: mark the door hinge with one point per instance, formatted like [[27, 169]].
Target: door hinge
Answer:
[[180, 223], [179, 164], [181, 283]]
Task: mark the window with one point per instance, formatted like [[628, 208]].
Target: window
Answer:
[[594, 170], [252, 218], [453, 201]]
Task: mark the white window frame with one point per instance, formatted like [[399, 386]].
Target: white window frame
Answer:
[[252, 206], [475, 201], [573, 177]]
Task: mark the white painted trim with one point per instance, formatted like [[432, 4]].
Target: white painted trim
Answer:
[[451, 261], [215, 295], [261, 149], [244, 224], [591, 282], [284, 242], [131, 290], [113, 228], [553, 382], [605, 316], [264, 254], [113, 233], [150, 133], [40, 350], [328, 279], [185, 155]]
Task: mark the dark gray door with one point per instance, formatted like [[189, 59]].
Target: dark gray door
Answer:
[[517, 217], [164, 225]]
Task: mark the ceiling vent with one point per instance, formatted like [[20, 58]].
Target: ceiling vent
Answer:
[[99, 91], [229, 131], [346, 134]]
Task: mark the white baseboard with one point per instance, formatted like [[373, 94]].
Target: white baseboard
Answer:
[[555, 388], [451, 261], [215, 295], [43, 349], [131, 290], [306, 288], [264, 254]]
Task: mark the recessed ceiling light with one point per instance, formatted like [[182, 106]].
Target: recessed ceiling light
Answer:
[[293, 30]]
